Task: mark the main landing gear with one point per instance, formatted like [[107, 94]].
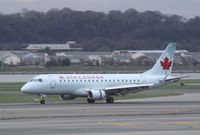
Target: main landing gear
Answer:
[[42, 99], [109, 100], [90, 101]]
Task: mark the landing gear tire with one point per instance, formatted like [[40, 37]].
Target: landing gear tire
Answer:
[[42, 99], [90, 101], [110, 100], [42, 102]]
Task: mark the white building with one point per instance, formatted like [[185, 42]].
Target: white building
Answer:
[[68, 46], [9, 58], [35, 59]]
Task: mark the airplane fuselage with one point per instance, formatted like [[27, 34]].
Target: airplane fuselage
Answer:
[[80, 84]]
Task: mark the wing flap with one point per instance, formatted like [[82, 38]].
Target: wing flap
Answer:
[[128, 88]]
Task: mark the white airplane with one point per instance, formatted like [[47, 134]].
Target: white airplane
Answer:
[[103, 86]]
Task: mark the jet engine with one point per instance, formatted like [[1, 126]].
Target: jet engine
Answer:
[[96, 94], [67, 97]]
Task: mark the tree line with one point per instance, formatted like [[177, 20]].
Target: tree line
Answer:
[[99, 31]]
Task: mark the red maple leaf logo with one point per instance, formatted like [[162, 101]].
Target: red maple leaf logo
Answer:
[[166, 63]]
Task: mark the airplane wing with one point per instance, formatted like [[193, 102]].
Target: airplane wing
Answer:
[[172, 79], [133, 88], [125, 89]]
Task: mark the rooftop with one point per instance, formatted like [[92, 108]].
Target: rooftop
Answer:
[[67, 46]]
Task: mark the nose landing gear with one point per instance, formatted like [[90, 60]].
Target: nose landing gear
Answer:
[[42, 99]]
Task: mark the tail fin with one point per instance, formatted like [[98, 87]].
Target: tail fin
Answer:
[[163, 66]]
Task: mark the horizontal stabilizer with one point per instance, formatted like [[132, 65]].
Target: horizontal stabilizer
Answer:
[[173, 79]]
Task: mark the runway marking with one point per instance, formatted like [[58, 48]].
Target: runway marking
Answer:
[[185, 123], [121, 124], [97, 107], [89, 115], [115, 124]]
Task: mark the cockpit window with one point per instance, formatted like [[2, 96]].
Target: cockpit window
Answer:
[[36, 80]]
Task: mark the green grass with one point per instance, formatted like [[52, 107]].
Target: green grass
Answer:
[[10, 93], [11, 86], [187, 85]]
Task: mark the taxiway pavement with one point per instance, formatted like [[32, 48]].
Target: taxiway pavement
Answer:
[[178, 115]]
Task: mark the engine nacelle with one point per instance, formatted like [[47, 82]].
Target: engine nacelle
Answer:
[[96, 94], [67, 97]]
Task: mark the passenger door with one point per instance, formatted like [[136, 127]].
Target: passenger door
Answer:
[[52, 81]]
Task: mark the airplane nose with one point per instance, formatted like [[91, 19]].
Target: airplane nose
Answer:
[[26, 88]]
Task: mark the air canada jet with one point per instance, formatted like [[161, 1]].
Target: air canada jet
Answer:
[[103, 86]]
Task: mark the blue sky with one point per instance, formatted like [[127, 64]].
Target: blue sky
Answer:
[[187, 8]]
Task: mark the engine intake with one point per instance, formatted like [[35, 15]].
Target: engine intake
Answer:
[[96, 94]]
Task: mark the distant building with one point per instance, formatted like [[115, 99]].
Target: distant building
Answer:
[[9, 59], [75, 61], [140, 58], [68, 46], [144, 51], [35, 59], [94, 60], [86, 58], [83, 53], [121, 60]]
